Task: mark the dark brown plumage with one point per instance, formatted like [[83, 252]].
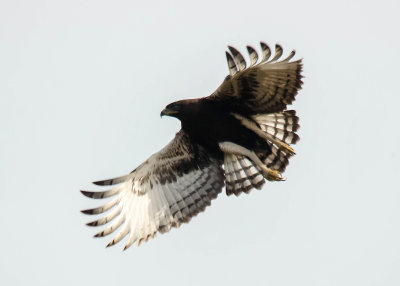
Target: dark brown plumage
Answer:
[[238, 136], [208, 122]]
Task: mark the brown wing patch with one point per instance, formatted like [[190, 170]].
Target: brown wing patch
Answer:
[[264, 87]]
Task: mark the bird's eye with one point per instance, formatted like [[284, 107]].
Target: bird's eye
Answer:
[[176, 107]]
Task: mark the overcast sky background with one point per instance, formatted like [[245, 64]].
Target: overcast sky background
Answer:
[[82, 84]]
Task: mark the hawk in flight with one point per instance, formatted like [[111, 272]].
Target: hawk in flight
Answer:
[[238, 136]]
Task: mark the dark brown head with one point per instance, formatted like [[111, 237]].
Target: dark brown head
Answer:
[[180, 109]]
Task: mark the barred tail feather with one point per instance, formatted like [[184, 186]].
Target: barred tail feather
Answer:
[[241, 175], [282, 126]]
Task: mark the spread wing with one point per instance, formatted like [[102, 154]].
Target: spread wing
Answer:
[[168, 189], [263, 87]]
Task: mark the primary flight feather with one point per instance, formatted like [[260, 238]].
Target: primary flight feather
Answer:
[[238, 136]]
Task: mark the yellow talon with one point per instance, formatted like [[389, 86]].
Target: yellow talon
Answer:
[[272, 175], [286, 148]]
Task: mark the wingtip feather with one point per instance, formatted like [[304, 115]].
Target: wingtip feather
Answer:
[[111, 243], [99, 234], [87, 211], [92, 223], [102, 183], [88, 194]]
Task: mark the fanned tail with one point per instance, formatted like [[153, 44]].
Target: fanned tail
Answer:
[[282, 126], [241, 175]]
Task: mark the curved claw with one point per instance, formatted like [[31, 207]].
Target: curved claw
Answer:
[[272, 175]]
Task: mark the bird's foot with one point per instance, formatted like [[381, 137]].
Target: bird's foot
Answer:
[[286, 148], [272, 175]]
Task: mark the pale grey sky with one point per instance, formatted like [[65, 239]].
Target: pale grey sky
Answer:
[[82, 84]]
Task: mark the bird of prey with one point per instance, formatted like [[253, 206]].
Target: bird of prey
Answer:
[[237, 137]]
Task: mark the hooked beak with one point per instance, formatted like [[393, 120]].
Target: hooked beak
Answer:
[[168, 112]]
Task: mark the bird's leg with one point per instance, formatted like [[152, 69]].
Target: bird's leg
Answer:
[[253, 127], [232, 148]]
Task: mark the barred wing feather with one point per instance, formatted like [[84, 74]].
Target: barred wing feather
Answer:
[[168, 189], [264, 87]]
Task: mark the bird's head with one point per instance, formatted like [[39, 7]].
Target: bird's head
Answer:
[[184, 110], [179, 109], [172, 109]]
